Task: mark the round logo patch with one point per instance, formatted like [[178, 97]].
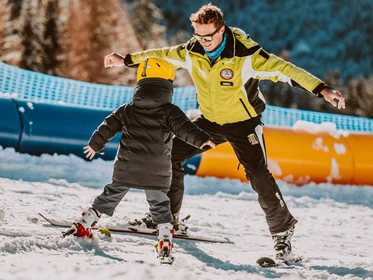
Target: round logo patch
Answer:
[[226, 74]]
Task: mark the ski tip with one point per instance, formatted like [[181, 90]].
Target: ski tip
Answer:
[[227, 240], [45, 218], [269, 262], [266, 262]]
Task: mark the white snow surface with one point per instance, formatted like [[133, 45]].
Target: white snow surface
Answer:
[[315, 128], [334, 232]]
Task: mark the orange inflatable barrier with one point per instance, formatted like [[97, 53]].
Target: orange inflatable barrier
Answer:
[[300, 157]]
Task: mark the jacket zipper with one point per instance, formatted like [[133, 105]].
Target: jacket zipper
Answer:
[[247, 111]]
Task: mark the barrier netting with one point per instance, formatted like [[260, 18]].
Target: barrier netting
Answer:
[[33, 86]]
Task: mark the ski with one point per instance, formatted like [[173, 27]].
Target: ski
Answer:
[[269, 262], [167, 260], [144, 231]]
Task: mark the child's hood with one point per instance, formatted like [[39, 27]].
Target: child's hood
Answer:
[[153, 93]]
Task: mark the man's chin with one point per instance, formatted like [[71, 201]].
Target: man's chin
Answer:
[[210, 48]]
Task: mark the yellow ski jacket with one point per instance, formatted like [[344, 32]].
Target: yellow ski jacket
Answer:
[[227, 90]]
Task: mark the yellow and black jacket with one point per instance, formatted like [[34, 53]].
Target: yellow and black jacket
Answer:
[[227, 90]]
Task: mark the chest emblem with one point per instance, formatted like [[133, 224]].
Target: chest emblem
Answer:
[[226, 74]]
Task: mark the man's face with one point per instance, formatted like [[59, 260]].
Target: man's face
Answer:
[[210, 31]]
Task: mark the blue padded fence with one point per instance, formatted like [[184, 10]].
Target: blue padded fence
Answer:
[[39, 87]]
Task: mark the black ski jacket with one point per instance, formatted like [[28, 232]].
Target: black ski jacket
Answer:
[[148, 124]]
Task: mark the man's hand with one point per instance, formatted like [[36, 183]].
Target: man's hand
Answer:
[[114, 60], [89, 151], [330, 95], [208, 143]]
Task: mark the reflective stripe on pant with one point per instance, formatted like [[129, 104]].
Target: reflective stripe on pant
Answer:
[[159, 203], [248, 143]]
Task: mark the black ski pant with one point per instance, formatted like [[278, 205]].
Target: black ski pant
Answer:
[[247, 140]]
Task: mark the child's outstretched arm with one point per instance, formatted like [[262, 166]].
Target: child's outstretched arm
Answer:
[[106, 131], [187, 131]]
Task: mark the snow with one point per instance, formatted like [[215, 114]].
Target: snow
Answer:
[[340, 148], [318, 145], [314, 128], [334, 232]]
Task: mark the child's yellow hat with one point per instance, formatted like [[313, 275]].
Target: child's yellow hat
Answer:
[[155, 67]]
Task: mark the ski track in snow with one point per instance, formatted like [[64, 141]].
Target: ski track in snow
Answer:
[[335, 237]]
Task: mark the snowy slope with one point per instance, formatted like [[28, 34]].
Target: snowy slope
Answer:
[[334, 232]]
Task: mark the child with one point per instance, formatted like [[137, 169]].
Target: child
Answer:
[[143, 160]]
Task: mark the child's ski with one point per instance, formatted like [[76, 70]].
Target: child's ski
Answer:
[[269, 262], [144, 231]]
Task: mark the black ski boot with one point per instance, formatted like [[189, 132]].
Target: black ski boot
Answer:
[[282, 245], [145, 222]]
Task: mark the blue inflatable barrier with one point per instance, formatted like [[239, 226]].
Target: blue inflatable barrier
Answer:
[[10, 129], [37, 128]]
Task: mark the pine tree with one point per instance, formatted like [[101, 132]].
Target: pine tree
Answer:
[[146, 18], [74, 38], [27, 35], [15, 9], [10, 17], [3, 20], [89, 33], [50, 45]]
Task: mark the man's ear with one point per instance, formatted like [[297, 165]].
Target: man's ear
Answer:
[[222, 30]]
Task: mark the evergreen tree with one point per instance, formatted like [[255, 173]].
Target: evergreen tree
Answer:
[[10, 17], [146, 18], [27, 35], [50, 44], [3, 20], [30, 34], [89, 33], [15, 9]]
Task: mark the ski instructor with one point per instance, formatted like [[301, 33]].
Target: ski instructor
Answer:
[[226, 65]]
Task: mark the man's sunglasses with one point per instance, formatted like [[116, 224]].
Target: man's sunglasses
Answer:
[[207, 38]]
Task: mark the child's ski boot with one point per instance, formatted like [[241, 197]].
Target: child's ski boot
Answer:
[[83, 227], [165, 245]]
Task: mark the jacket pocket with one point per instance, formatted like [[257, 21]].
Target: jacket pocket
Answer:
[[244, 106]]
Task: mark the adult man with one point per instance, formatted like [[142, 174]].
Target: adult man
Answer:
[[226, 66]]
